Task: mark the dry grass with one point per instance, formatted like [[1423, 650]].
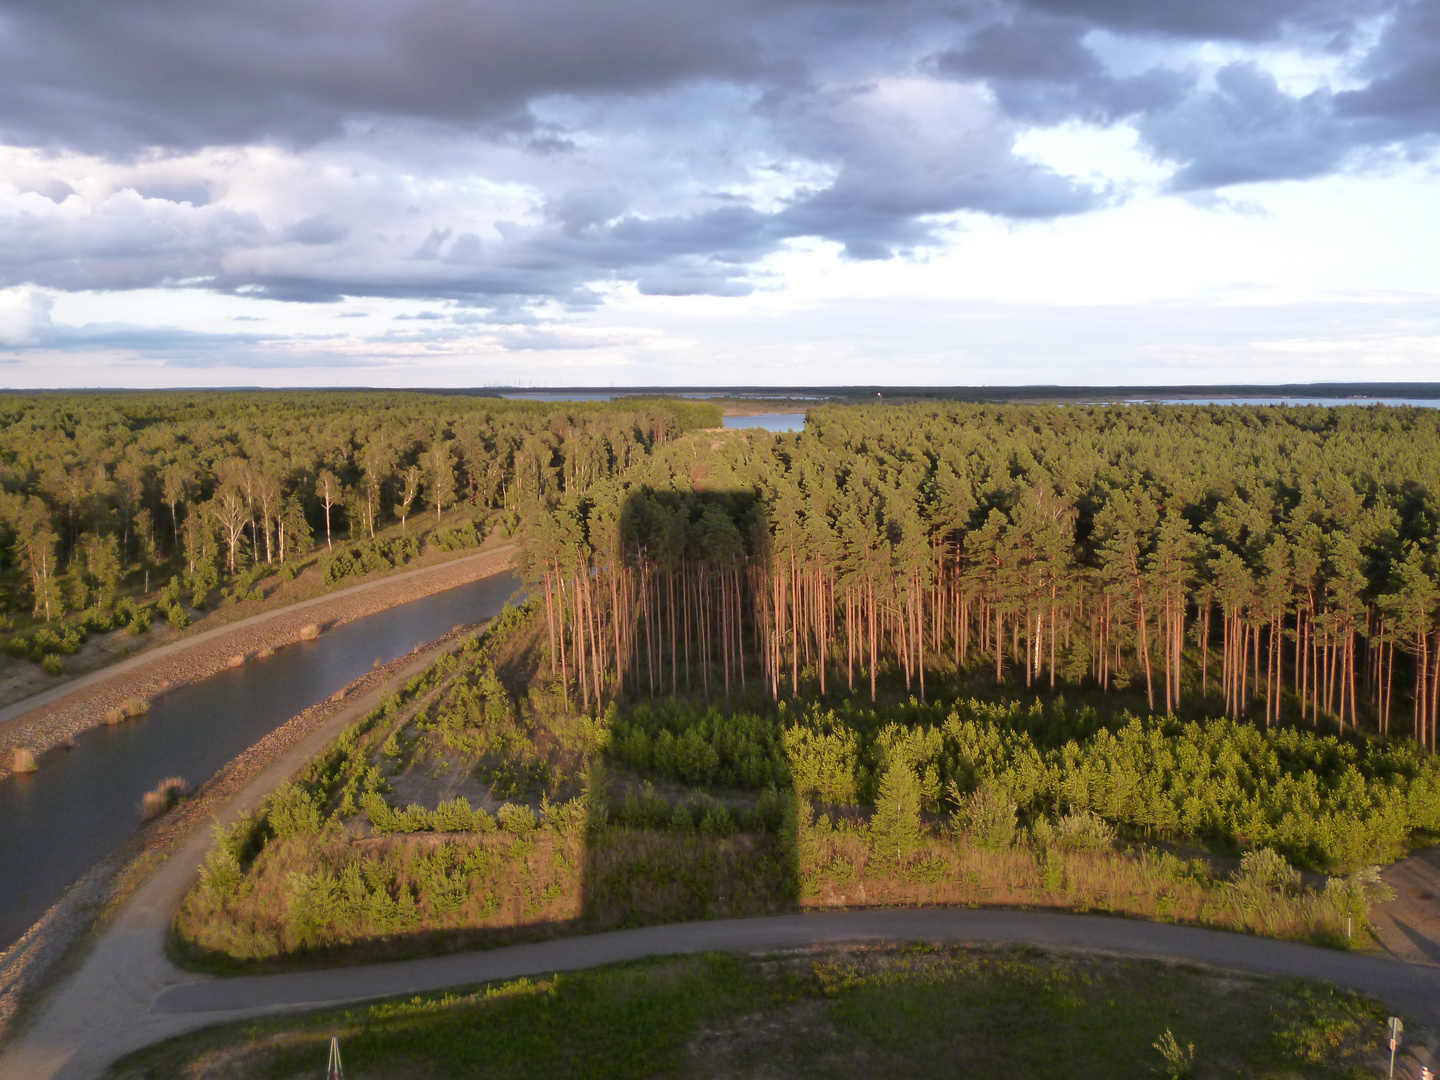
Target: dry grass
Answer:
[[310, 631], [132, 708], [236, 660], [635, 877], [837, 868], [23, 760], [164, 795], [384, 895]]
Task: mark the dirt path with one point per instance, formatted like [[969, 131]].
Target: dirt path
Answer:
[[1409, 925], [47, 720]]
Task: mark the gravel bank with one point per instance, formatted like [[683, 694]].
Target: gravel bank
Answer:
[[50, 723], [24, 966]]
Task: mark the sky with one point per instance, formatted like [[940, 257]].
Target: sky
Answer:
[[718, 192]]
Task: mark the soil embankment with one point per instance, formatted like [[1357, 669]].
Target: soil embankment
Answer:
[[50, 720]]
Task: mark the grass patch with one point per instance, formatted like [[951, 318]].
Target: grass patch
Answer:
[[162, 797], [915, 1011]]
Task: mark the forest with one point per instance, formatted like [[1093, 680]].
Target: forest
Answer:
[[104, 496], [1262, 562], [1148, 660]]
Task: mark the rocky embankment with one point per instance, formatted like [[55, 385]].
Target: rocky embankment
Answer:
[[55, 722]]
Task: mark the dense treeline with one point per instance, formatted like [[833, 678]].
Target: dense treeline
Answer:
[[99, 490], [1268, 561]]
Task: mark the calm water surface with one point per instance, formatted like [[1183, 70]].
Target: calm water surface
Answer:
[[769, 421], [58, 822]]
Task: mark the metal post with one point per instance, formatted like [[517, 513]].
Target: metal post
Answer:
[[335, 1071], [1396, 1027]]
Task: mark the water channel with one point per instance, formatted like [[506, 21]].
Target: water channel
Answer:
[[58, 822]]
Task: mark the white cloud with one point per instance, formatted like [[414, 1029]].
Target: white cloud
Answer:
[[24, 315]]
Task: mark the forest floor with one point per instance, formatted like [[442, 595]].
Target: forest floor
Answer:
[[47, 720]]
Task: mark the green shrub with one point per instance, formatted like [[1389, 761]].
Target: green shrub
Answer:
[[464, 536], [1267, 869], [51, 664], [1084, 830], [675, 742], [291, 811], [986, 815]]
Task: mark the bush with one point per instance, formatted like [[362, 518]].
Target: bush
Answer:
[[358, 559], [986, 815], [176, 617], [290, 811], [51, 664], [1266, 869], [170, 594], [464, 536], [675, 742], [1084, 831]]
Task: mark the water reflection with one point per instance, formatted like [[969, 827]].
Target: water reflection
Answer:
[[58, 822]]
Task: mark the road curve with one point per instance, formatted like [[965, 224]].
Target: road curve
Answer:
[[1411, 988], [161, 1001]]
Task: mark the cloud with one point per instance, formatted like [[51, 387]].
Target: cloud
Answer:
[[1331, 21], [1402, 98], [100, 76], [510, 155], [1042, 71], [1247, 130], [24, 316]]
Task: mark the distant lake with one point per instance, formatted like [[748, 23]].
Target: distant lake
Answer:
[[641, 391], [1422, 403], [789, 421]]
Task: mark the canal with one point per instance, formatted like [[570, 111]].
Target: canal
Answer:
[[58, 822]]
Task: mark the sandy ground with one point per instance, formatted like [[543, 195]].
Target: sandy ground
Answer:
[[49, 719], [1409, 925]]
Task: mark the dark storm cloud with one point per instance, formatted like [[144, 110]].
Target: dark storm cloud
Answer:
[[1042, 71], [1403, 98], [1334, 21], [108, 76]]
